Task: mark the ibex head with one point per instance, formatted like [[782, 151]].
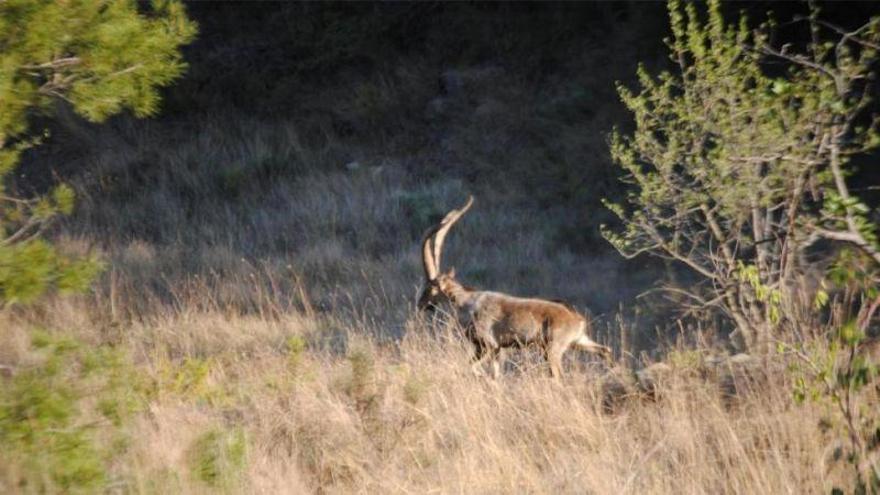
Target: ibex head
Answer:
[[437, 283]]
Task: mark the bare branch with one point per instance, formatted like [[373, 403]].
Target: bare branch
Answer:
[[799, 60], [53, 64], [853, 238], [849, 35], [25, 231]]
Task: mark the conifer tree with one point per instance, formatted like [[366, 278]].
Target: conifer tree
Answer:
[[100, 57]]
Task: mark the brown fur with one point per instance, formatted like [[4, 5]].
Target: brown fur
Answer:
[[494, 320]]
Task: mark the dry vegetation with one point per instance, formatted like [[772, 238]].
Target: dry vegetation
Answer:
[[296, 403], [312, 371], [256, 323]]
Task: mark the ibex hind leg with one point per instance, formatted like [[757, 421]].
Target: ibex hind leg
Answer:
[[496, 362], [477, 360], [554, 357]]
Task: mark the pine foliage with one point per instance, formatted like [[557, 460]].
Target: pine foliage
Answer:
[[99, 57]]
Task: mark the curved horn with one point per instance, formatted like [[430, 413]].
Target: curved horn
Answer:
[[444, 227], [428, 263]]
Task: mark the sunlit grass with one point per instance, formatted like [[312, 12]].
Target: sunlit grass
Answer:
[[268, 405]]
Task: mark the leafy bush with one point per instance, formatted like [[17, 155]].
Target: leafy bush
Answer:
[[739, 171], [843, 378]]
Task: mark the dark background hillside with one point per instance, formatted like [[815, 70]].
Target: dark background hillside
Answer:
[[321, 140]]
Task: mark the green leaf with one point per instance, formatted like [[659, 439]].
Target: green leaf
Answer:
[[781, 87], [63, 197], [820, 300], [850, 334]]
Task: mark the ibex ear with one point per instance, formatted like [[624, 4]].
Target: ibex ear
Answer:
[[451, 272]]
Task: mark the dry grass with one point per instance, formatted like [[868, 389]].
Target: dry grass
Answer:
[[276, 336], [347, 414]]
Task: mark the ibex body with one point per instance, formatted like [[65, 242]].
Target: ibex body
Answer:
[[494, 320]]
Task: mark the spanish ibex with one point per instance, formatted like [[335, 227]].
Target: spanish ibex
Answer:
[[493, 320]]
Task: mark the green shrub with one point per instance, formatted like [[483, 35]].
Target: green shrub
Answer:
[[54, 415], [28, 269], [296, 346], [217, 457], [415, 388], [722, 144]]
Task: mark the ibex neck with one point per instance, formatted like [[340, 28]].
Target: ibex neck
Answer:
[[460, 295]]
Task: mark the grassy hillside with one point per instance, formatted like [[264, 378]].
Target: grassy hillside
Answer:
[[255, 329], [385, 134]]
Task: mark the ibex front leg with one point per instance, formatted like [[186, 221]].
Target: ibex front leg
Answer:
[[487, 348], [484, 354]]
